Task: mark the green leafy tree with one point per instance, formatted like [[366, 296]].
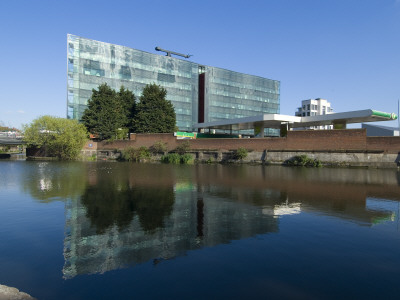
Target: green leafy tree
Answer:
[[154, 113], [109, 111], [59, 137], [127, 101]]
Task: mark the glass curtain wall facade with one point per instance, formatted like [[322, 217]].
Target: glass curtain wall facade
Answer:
[[231, 95], [91, 63], [199, 93]]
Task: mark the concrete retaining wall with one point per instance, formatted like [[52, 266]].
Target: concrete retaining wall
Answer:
[[351, 159]]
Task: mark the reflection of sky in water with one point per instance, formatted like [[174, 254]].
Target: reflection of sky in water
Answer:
[[223, 231], [382, 205], [392, 209]]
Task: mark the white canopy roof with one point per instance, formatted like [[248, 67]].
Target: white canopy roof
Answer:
[[275, 120]]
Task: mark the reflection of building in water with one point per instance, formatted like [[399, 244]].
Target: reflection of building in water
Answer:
[[198, 219], [283, 209], [341, 193], [222, 204]]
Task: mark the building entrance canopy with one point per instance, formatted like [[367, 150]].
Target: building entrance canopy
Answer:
[[276, 120]]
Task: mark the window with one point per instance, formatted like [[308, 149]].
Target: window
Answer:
[[71, 49], [70, 96], [70, 64], [165, 77], [70, 80], [70, 112], [125, 73]]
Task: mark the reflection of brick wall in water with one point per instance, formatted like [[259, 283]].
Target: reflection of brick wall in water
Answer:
[[197, 220]]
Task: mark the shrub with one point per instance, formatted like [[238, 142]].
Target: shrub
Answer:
[[128, 154], [159, 147], [171, 158], [183, 147], [175, 158], [209, 160], [303, 161], [139, 154], [240, 153], [187, 159]]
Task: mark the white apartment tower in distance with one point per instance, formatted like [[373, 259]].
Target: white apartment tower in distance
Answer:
[[315, 107]]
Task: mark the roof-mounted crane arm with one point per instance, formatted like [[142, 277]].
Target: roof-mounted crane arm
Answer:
[[172, 52]]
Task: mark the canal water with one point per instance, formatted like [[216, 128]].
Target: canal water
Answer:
[[103, 230]]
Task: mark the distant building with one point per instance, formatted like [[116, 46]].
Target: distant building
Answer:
[[377, 130], [315, 107], [198, 92]]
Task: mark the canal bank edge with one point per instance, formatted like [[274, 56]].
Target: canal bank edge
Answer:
[[333, 159], [350, 148]]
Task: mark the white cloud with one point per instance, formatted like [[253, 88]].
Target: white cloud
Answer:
[[20, 111]]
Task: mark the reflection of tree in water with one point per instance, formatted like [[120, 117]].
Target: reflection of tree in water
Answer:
[[109, 204], [106, 205], [152, 205], [47, 181]]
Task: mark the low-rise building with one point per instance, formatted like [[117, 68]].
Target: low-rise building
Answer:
[[315, 107]]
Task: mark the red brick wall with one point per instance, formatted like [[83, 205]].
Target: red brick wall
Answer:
[[231, 144], [138, 140], [317, 140], [351, 139], [390, 144], [310, 140]]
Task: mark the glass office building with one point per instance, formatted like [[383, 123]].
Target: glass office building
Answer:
[[199, 93]]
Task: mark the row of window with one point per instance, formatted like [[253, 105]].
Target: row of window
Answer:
[[269, 86], [265, 97], [96, 68], [184, 102], [182, 69], [224, 101], [309, 107], [241, 78]]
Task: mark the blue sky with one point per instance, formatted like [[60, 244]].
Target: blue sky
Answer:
[[346, 51]]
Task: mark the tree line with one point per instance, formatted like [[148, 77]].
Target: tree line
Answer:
[[109, 114]]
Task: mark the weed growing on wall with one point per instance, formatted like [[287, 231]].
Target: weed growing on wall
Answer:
[[303, 161], [240, 153]]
